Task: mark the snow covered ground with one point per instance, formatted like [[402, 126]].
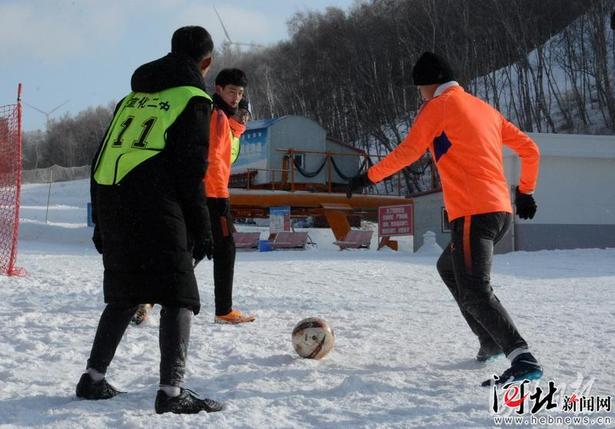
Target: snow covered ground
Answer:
[[403, 356]]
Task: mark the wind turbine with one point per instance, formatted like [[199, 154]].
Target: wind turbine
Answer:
[[48, 113], [228, 38]]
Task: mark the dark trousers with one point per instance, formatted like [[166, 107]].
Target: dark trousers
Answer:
[[224, 253], [465, 267], [174, 336]]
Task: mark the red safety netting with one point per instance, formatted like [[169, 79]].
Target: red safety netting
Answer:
[[10, 184]]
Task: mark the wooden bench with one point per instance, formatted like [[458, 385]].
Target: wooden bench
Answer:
[[355, 239], [290, 240], [246, 240]]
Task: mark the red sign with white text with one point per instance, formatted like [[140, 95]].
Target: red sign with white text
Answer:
[[395, 221]]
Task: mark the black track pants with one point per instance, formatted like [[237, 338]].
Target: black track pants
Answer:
[[224, 253], [465, 267], [174, 337]]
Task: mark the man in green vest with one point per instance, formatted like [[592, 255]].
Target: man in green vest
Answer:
[[152, 221], [226, 129]]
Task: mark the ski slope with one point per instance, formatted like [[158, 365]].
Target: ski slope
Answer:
[[403, 358]]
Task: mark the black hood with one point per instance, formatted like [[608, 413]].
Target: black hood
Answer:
[[221, 104], [167, 72]]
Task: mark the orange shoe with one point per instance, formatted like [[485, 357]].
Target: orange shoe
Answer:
[[234, 317]]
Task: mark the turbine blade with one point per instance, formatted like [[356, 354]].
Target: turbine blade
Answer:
[[222, 24]]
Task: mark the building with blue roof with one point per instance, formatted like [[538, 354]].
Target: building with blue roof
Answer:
[[293, 152]]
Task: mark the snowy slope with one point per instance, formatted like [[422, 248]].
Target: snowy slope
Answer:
[[557, 76], [403, 356]]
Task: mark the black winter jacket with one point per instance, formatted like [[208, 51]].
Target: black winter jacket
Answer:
[[146, 226]]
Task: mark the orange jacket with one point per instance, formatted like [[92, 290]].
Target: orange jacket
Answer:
[[219, 155], [465, 136]]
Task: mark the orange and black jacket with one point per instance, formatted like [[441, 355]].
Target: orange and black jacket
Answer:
[[219, 169], [465, 137]]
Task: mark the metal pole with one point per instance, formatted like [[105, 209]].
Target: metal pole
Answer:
[[329, 173], [13, 256], [292, 170], [49, 193]]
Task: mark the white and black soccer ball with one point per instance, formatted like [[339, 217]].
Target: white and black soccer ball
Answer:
[[313, 338]]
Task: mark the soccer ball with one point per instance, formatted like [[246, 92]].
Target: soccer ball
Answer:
[[313, 338]]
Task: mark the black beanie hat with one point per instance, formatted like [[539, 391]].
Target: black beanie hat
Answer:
[[430, 69]]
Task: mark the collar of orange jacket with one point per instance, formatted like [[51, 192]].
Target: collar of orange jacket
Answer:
[[236, 127], [445, 87]]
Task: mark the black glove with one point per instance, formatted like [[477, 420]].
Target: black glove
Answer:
[[204, 247], [526, 206], [357, 183], [97, 239], [204, 241], [244, 104], [243, 114], [223, 206]]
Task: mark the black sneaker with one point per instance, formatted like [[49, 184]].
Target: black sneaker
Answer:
[[186, 403], [524, 367], [488, 351], [89, 389]]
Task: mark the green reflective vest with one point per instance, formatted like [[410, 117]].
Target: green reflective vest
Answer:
[[138, 130], [235, 147]]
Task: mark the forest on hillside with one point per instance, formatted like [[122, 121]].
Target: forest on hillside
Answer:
[[547, 65]]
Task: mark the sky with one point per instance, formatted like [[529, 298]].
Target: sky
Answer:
[[81, 53]]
